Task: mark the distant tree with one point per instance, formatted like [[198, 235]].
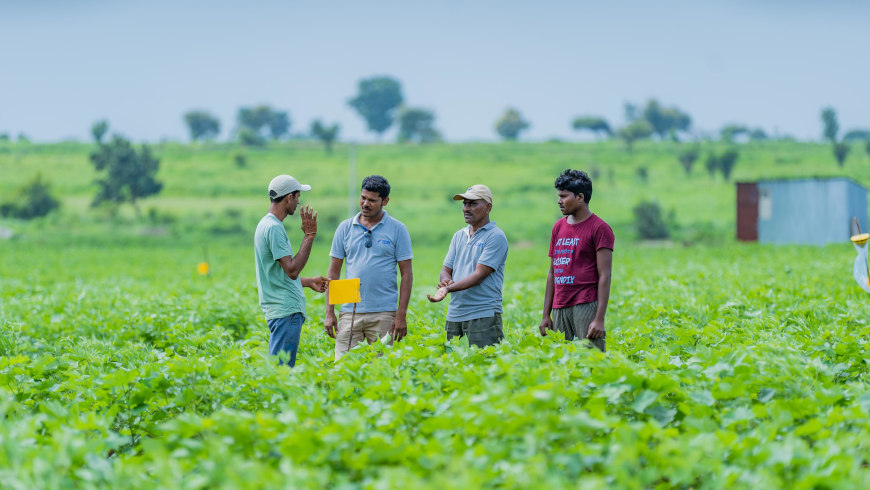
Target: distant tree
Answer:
[[249, 137], [99, 129], [264, 121], [727, 161], [33, 200], [841, 151], [638, 130], [595, 124], [832, 127], [4, 137], [22, 138], [731, 131], [758, 134], [867, 147], [202, 125], [666, 121], [376, 101], [857, 135], [240, 160], [279, 124], [712, 164], [642, 173], [326, 134], [418, 125], [128, 175], [688, 157], [650, 222], [511, 124]]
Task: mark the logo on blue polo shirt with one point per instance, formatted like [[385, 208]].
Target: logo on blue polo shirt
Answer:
[[479, 245], [384, 242]]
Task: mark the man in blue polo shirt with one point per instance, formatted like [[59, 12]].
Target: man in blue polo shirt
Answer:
[[473, 272], [374, 244]]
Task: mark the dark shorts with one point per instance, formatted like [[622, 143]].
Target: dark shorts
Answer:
[[480, 331], [574, 322]]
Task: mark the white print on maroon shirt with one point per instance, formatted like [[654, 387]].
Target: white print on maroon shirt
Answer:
[[568, 251]]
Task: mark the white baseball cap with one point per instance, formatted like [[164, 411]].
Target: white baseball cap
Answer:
[[285, 184]]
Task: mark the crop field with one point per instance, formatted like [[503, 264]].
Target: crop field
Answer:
[[728, 366]]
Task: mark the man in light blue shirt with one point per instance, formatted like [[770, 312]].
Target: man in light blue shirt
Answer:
[[278, 282], [373, 243], [473, 272]]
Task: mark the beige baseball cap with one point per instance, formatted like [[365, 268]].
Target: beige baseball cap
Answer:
[[285, 184], [475, 192]]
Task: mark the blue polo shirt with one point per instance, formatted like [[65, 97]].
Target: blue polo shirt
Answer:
[[375, 266], [488, 246]]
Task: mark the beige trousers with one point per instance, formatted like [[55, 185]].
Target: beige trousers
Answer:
[[366, 326]]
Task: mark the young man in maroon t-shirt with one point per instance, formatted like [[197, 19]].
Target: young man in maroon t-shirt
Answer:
[[581, 256]]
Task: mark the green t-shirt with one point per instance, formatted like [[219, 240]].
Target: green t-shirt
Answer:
[[280, 296]]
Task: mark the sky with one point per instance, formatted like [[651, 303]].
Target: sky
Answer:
[[772, 64]]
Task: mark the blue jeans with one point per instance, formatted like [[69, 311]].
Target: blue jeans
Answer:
[[284, 335]]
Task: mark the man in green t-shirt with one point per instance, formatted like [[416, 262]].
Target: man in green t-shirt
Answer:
[[278, 270]]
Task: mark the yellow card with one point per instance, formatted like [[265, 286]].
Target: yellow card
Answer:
[[344, 291]]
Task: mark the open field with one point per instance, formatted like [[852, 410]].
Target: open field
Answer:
[[728, 365]]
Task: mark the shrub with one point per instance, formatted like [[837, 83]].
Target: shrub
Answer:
[[841, 151], [649, 221], [33, 200]]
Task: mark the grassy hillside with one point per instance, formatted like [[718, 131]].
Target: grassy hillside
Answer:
[[204, 189]]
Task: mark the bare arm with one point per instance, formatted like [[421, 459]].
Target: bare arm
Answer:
[[549, 291], [480, 273], [604, 260], [293, 265], [400, 324], [448, 286], [329, 321]]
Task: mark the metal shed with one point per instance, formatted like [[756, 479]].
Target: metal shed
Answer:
[[813, 211]]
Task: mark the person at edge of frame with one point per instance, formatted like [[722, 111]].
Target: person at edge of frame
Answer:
[[473, 273], [374, 244], [581, 259], [278, 270]]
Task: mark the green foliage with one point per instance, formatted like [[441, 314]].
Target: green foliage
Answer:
[[240, 160], [716, 376], [4, 137], [376, 101], [841, 151], [637, 130], [263, 121], [595, 124], [650, 222], [666, 121], [867, 147], [99, 130], [758, 134], [202, 125], [417, 125], [128, 175], [730, 131], [831, 126], [727, 160], [642, 173], [511, 124], [249, 137], [723, 163], [854, 135], [326, 134], [33, 200], [687, 158]]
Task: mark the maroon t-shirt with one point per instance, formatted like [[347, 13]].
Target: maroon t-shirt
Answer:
[[574, 249]]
